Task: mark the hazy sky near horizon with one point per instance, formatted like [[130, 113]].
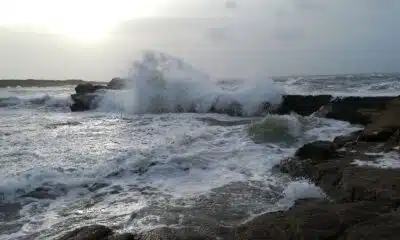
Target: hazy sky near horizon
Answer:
[[97, 40]]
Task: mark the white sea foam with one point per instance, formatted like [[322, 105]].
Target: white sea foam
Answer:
[[386, 160]]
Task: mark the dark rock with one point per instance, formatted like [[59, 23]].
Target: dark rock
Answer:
[[185, 233], [93, 232], [318, 150], [310, 219], [302, 104], [124, 236], [341, 141], [371, 184], [357, 110], [385, 227], [346, 182], [83, 102], [116, 83], [84, 88], [384, 125]]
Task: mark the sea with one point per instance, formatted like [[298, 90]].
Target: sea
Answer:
[[136, 163]]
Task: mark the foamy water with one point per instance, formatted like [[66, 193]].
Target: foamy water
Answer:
[[125, 166]]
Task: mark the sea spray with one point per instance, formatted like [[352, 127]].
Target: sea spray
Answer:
[[162, 83]]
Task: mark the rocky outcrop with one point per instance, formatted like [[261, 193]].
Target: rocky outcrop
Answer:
[[356, 110], [88, 95]]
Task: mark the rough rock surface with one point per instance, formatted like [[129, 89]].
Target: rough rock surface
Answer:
[[309, 219]]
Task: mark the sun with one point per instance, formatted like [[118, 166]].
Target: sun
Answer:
[[81, 20]]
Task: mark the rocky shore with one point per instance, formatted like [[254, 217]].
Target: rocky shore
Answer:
[[363, 193]]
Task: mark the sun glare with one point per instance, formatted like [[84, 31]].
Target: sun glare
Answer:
[[82, 20]]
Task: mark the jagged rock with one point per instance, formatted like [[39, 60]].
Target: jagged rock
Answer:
[[318, 150], [116, 83], [310, 219]]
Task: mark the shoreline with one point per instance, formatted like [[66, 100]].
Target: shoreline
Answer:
[[363, 197], [5, 83]]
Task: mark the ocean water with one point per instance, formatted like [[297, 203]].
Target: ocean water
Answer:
[[136, 163]]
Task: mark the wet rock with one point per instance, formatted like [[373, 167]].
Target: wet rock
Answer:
[[302, 104], [373, 184], [344, 181], [93, 232], [83, 102], [185, 233], [342, 141], [385, 227], [84, 88], [310, 219], [124, 236], [385, 125], [357, 110], [318, 150], [116, 83]]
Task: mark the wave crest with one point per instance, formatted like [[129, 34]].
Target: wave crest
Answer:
[[44, 100]]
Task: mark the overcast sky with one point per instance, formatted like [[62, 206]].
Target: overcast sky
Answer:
[[97, 40]]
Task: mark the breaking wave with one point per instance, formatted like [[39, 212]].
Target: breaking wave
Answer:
[[162, 83], [43, 100]]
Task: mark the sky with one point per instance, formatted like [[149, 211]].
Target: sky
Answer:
[[97, 40]]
